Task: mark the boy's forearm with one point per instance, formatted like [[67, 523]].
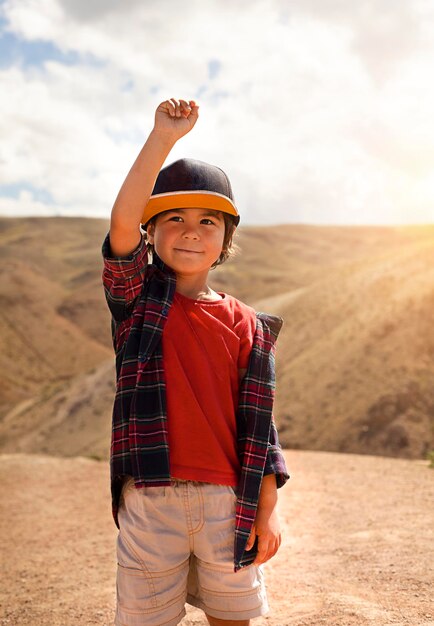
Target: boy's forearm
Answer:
[[173, 120], [137, 187], [268, 492], [266, 527]]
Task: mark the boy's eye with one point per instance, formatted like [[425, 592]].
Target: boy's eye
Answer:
[[178, 218]]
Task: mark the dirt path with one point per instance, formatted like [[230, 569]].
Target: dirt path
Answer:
[[358, 547]]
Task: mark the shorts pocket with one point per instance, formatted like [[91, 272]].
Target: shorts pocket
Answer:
[[135, 590], [141, 592]]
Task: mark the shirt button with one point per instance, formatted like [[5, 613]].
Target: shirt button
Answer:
[[164, 311]]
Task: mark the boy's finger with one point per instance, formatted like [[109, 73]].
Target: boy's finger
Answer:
[[177, 106], [185, 108], [168, 104], [263, 551], [251, 539], [273, 548], [266, 550], [194, 113]]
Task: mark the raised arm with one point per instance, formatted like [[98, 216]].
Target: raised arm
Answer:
[[173, 119]]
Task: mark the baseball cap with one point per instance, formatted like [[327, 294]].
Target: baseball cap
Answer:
[[189, 183]]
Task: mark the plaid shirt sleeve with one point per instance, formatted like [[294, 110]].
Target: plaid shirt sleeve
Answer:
[[123, 278], [275, 461]]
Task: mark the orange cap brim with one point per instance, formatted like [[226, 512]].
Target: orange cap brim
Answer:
[[188, 200]]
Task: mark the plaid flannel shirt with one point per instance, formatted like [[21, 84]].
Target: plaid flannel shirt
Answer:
[[139, 296]]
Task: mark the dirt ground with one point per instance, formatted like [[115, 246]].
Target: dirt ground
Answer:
[[358, 543]]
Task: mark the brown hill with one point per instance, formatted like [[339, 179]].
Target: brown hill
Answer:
[[356, 360], [355, 357], [70, 418], [38, 344]]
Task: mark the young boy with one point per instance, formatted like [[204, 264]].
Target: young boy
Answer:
[[195, 459]]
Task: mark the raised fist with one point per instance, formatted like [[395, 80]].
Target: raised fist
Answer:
[[176, 117]]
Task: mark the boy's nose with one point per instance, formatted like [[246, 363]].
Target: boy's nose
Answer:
[[190, 233]]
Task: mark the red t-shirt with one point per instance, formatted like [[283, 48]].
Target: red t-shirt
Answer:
[[204, 346]]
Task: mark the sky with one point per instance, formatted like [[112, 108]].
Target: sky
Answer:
[[320, 111]]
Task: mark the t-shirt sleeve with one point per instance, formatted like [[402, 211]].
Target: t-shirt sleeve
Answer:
[[123, 277], [245, 330]]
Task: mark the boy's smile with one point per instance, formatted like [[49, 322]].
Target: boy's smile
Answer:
[[188, 240]]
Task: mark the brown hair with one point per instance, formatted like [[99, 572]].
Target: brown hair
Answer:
[[229, 248]]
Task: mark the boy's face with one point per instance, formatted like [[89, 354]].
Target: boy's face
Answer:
[[188, 240]]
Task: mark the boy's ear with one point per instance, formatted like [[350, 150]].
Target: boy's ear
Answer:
[[150, 230]]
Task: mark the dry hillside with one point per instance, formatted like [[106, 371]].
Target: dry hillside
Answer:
[[355, 357]]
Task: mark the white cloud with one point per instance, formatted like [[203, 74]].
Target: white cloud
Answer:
[[318, 113]]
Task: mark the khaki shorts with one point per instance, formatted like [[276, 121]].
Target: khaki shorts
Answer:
[[176, 545]]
